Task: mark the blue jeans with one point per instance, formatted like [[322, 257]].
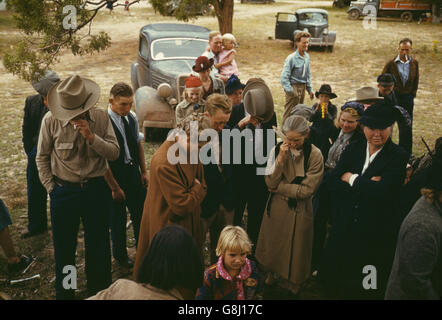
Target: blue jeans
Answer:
[[37, 197], [129, 179], [91, 204]]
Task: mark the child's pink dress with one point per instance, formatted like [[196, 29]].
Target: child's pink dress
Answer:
[[229, 69]]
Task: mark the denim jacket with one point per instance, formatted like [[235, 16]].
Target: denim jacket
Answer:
[[293, 71]]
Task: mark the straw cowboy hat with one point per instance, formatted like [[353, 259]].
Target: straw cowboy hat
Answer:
[[72, 96], [258, 100], [367, 94]]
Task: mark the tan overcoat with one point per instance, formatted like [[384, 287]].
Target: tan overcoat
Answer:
[[173, 197], [286, 237]]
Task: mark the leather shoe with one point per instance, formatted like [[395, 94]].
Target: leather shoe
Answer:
[[24, 262], [30, 234], [128, 263]]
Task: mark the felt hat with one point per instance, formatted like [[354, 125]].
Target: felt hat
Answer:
[[386, 80], [45, 83], [202, 63], [258, 100], [233, 84], [72, 97], [367, 94], [378, 116], [325, 89]]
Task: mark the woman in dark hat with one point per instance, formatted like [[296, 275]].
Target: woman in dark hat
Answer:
[[234, 89], [323, 119], [203, 67], [365, 187]]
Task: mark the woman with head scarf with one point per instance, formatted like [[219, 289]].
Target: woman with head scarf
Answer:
[[365, 187], [294, 172]]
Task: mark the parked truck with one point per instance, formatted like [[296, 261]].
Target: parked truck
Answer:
[[406, 10]]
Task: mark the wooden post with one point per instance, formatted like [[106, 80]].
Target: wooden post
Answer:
[[435, 9]]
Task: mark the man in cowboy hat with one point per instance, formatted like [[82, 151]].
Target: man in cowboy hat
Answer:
[[35, 109], [367, 96], [255, 112], [296, 76], [75, 142]]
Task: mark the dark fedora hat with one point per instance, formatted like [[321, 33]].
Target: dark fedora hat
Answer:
[[378, 116], [233, 84], [386, 79], [325, 89], [202, 63]]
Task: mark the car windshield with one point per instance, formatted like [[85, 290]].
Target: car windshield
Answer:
[[178, 48], [313, 17]]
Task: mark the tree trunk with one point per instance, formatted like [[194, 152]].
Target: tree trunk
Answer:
[[436, 12], [224, 13]]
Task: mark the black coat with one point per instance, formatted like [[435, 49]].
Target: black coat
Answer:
[[35, 109], [238, 113], [323, 132], [367, 221]]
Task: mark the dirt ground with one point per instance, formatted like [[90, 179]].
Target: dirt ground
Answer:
[[357, 59]]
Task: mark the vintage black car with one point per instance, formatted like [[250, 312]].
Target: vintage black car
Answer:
[[315, 21], [166, 54]]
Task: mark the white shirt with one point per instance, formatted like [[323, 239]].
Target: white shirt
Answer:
[[119, 123], [368, 160]]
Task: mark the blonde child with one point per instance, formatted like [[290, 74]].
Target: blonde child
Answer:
[[233, 277], [192, 101], [226, 58]]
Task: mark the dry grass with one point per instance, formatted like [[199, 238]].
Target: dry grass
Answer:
[[358, 58]]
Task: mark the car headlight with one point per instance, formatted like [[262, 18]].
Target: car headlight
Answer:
[[164, 90], [325, 31]]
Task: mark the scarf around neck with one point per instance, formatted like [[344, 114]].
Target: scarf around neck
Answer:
[[244, 274]]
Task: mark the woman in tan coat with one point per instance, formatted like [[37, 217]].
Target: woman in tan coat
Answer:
[[294, 172], [175, 191]]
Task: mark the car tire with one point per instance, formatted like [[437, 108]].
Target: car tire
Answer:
[[407, 16], [354, 14]]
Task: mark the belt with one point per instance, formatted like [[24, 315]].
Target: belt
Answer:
[[82, 184]]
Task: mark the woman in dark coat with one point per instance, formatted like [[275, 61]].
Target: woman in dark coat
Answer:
[[365, 189], [350, 132]]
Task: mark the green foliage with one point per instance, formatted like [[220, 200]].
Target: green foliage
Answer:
[[182, 9], [46, 32]]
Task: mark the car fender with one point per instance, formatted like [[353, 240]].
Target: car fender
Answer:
[[331, 36], [355, 8], [152, 110], [134, 76]]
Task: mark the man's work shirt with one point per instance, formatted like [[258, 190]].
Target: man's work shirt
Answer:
[[119, 123], [296, 70], [63, 152], [403, 68]]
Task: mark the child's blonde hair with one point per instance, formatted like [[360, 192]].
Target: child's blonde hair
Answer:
[[228, 37], [185, 95], [233, 238]]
